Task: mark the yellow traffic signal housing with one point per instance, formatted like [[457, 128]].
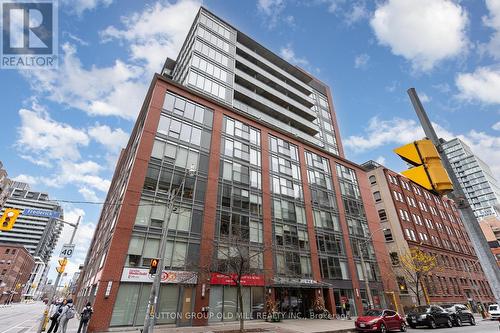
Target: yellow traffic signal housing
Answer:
[[62, 265], [8, 218], [428, 172]]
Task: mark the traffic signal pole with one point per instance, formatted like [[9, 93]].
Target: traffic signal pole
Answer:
[[483, 251], [45, 318]]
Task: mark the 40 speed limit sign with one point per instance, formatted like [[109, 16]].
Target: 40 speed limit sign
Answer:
[[67, 250]]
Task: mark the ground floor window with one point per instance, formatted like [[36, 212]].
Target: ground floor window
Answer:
[[132, 299], [343, 296], [224, 305]]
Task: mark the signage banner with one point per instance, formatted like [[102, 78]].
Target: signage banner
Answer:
[[41, 213], [284, 280], [246, 280], [142, 275]]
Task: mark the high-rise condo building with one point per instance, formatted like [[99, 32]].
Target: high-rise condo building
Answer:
[[476, 178], [262, 139]]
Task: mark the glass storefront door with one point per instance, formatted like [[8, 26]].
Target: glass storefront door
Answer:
[[294, 302]]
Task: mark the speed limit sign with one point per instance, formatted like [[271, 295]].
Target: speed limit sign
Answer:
[[67, 250]]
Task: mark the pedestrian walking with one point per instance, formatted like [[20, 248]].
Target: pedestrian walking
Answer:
[[54, 313], [348, 309], [67, 313], [85, 318]]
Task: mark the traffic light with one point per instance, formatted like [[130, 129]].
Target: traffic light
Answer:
[[428, 172], [8, 218], [62, 265], [153, 266]]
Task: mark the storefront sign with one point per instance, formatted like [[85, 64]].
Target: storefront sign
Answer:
[[246, 280], [295, 281], [142, 275]]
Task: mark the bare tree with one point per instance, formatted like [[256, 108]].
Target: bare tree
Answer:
[[235, 258]]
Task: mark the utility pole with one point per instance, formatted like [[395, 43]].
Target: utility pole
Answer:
[[488, 261], [149, 320], [59, 274], [363, 267], [365, 274]]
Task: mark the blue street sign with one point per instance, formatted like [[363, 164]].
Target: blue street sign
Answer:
[[41, 213]]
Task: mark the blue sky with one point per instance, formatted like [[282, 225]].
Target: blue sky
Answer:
[[62, 129]]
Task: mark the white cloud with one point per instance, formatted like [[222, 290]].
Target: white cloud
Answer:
[[357, 13], [79, 6], [272, 10], [83, 173], [380, 160], [482, 85], [155, 33], [424, 98], [288, 54], [397, 131], [106, 91], [45, 139], [25, 179], [493, 21], [114, 140], [496, 126], [88, 194], [361, 60], [393, 131], [424, 32]]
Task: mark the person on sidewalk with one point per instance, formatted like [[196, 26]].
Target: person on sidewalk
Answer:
[[67, 313], [348, 309], [54, 313], [85, 318]]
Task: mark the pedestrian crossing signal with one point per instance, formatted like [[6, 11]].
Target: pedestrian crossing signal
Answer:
[[153, 266], [8, 219]]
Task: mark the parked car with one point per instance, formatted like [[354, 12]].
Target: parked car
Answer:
[[380, 320], [494, 311], [429, 315], [460, 314]]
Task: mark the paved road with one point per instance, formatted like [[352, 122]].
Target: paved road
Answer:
[[25, 318], [483, 326]]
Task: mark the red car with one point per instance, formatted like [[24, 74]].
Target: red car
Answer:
[[383, 321]]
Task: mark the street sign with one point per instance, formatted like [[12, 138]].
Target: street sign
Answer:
[[41, 213], [67, 250]]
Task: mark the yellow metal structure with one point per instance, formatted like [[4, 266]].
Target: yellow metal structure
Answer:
[[62, 265], [8, 218], [428, 171]]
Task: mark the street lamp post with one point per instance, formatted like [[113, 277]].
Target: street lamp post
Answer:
[[151, 310], [363, 267], [59, 274]]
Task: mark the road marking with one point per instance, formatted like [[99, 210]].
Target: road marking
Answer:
[[18, 325]]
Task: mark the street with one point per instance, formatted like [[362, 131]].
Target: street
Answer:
[[482, 326], [24, 318]]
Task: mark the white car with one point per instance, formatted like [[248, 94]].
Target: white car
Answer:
[[494, 310]]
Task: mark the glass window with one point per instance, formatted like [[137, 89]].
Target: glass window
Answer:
[[158, 148], [125, 305], [151, 248], [169, 294]]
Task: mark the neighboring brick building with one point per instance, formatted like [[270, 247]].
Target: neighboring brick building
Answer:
[[414, 217], [264, 140], [491, 229], [16, 264]]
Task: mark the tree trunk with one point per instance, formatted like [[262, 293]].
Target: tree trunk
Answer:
[[417, 289], [240, 307]]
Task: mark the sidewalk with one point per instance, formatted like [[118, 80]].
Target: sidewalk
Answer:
[[285, 326]]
